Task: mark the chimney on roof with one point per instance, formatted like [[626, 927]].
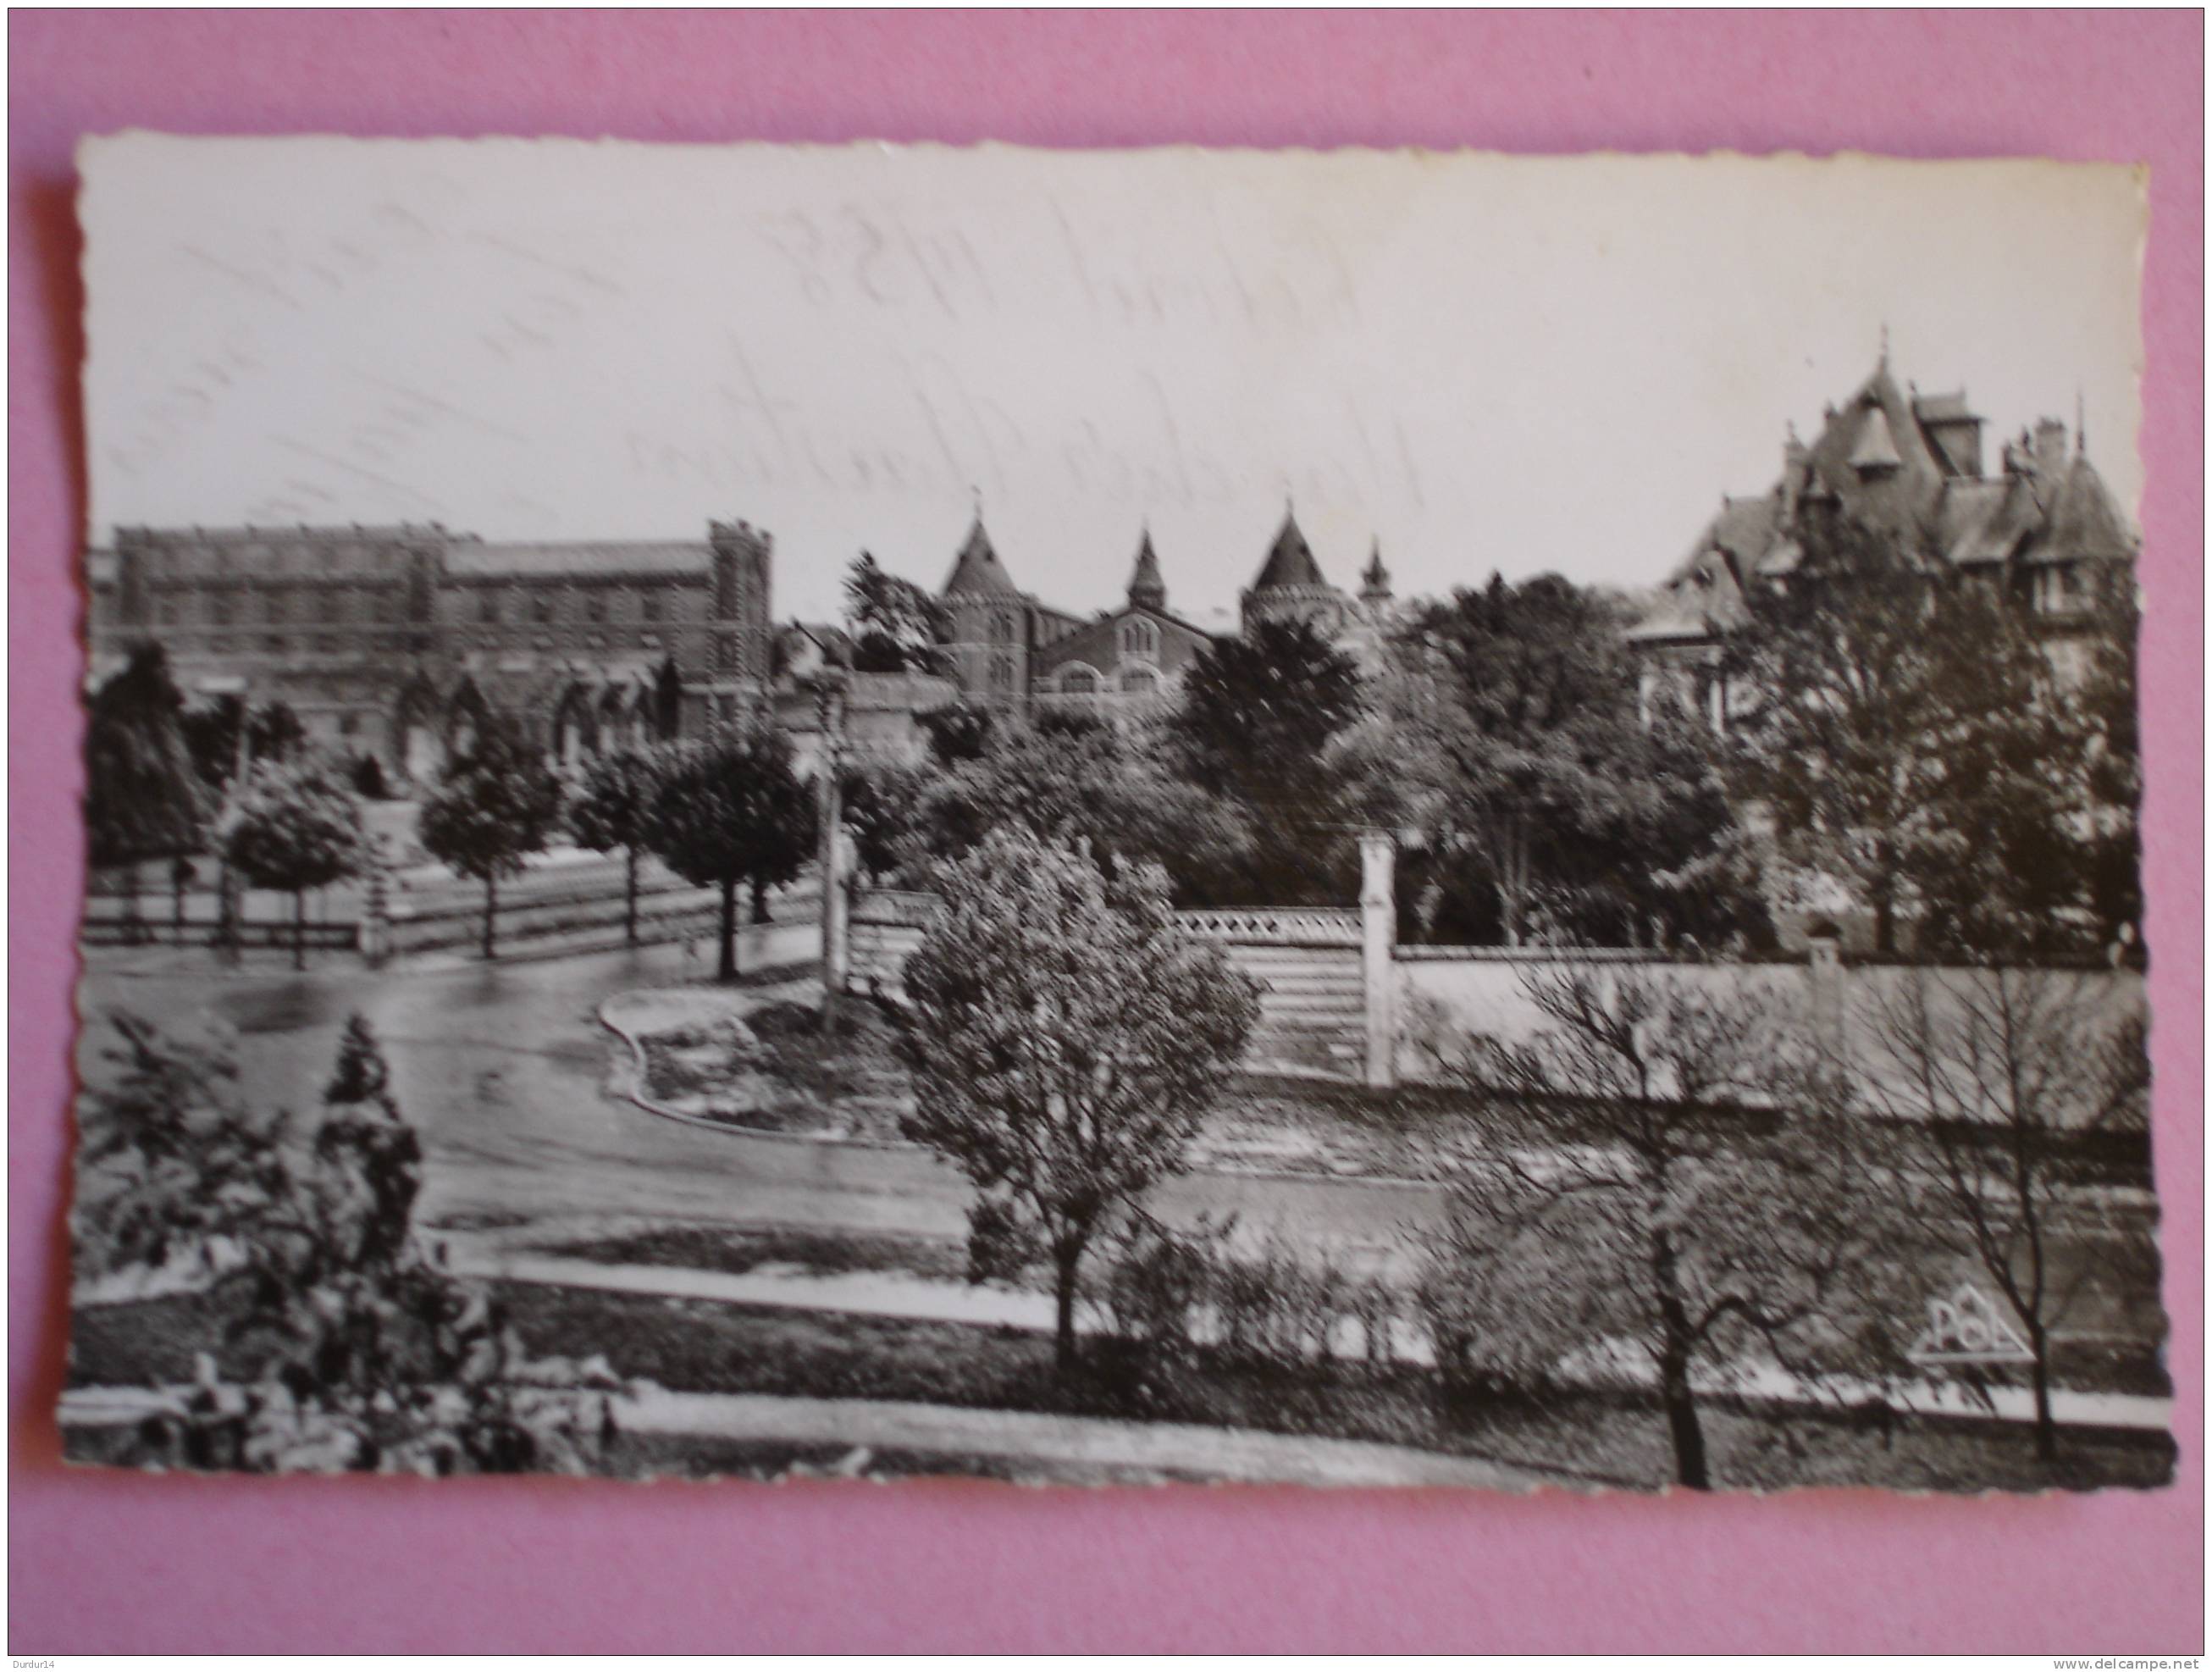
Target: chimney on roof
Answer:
[[2050, 446], [1795, 463]]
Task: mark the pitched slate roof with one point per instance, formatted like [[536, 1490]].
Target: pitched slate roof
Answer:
[[1705, 594], [977, 569], [1877, 458], [1096, 641], [1984, 522], [2080, 519], [1875, 448], [1879, 455], [1290, 561]]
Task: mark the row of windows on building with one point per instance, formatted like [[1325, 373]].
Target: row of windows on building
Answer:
[[1139, 638], [220, 557], [278, 644], [594, 606], [1082, 680]]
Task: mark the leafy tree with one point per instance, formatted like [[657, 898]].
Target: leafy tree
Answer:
[[368, 780], [272, 733], [731, 810], [611, 809], [959, 732], [1656, 1166], [212, 733], [1066, 1040], [1554, 806], [885, 803], [1261, 720], [171, 1163], [1908, 737], [497, 804], [899, 628], [143, 799], [1999, 865], [2006, 1079], [294, 827], [354, 1349], [1096, 784], [2109, 783]]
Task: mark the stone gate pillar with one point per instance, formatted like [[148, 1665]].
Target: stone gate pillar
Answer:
[[1824, 972], [1379, 924], [837, 911]]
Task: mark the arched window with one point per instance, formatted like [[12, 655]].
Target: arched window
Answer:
[[1002, 627], [1140, 638], [1079, 681], [1139, 681], [1002, 673]]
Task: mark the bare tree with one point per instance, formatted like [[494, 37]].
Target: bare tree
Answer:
[[2010, 1081], [1658, 1169]]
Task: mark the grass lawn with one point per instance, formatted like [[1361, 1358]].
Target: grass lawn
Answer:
[[1597, 1439]]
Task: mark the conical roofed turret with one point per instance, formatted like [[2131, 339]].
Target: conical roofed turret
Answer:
[[1290, 561], [1147, 591], [1375, 582], [977, 569]]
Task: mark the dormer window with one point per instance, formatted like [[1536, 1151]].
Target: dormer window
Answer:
[[1875, 451]]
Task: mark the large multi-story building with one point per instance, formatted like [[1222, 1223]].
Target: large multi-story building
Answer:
[[398, 642], [2043, 528], [1010, 650]]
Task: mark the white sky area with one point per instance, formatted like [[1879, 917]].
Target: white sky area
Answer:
[[1516, 364]]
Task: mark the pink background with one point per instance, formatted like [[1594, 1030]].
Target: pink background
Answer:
[[101, 1561]]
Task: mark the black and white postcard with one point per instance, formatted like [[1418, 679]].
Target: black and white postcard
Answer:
[[1110, 817]]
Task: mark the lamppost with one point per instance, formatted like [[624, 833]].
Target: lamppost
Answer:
[[831, 689], [230, 906]]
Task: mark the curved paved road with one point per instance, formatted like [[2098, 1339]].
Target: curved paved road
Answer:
[[504, 1068]]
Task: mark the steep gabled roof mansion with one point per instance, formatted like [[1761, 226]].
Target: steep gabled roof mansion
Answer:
[[2041, 527]]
